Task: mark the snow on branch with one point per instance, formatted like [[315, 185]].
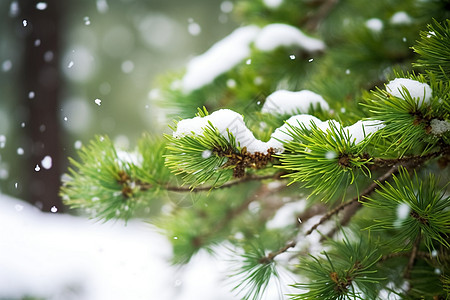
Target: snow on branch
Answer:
[[287, 102], [281, 35], [227, 121], [233, 49], [417, 90], [220, 58]]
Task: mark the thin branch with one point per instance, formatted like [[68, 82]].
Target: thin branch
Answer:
[[412, 258], [355, 199], [271, 256], [409, 161], [419, 254], [146, 186], [313, 22]]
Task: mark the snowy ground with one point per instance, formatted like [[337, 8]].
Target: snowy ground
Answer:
[[63, 257]]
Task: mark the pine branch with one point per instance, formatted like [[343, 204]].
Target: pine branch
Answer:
[[271, 256], [247, 178], [342, 206], [412, 161]]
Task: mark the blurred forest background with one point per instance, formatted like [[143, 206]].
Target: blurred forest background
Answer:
[[72, 69]]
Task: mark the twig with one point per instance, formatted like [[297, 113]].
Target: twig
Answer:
[[171, 188], [366, 192], [412, 258], [409, 161], [419, 254], [271, 256], [314, 22]]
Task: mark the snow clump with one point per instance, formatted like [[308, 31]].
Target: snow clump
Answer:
[[287, 102], [400, 18], [439, 127], [361, 129], [225, 120], [273, 36], [235, 48], [374, 24], [220, 58], [272, 3], [419, 91]]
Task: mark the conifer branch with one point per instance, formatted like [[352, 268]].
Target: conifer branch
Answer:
[[340, 207], [412, 161], [247, 178], [271, 256]]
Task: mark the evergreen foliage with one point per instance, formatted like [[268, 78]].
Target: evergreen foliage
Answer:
[[373, 167]]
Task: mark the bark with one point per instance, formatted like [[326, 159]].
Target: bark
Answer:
[[42, 76]]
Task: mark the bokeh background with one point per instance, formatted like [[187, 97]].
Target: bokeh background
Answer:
[[73, 69]]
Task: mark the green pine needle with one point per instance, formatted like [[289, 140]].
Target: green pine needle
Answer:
[[407, 125], [325, 161], [347, 271], [255, 273], [426, 206], [434, 49]]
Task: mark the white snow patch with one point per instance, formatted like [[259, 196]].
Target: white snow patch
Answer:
[[235, 48], [46, 162], [273, 36], [272, 3], [6, 65], [60, 257], [2, 141], [226, 7], [14, 9], [78, 144], [400, 18], [281, 135], [419, 91], [439, 127], [41, 5], [220, 58], [224, 120], [331, 155], [403, 210], [194, 28], [361, 129], [126, 157], [206, 154], [287, 102], [102, 6], [127, 66], [374, 24]]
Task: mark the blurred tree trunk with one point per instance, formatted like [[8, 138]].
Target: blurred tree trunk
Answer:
[[42, 83]]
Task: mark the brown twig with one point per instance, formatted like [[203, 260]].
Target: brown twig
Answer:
[[314, 21], [419, 254], [271, 256], [355, 199], [409, 161], [171, 188], [412, 258]]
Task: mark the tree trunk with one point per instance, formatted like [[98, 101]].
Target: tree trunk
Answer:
[[42, 83]]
